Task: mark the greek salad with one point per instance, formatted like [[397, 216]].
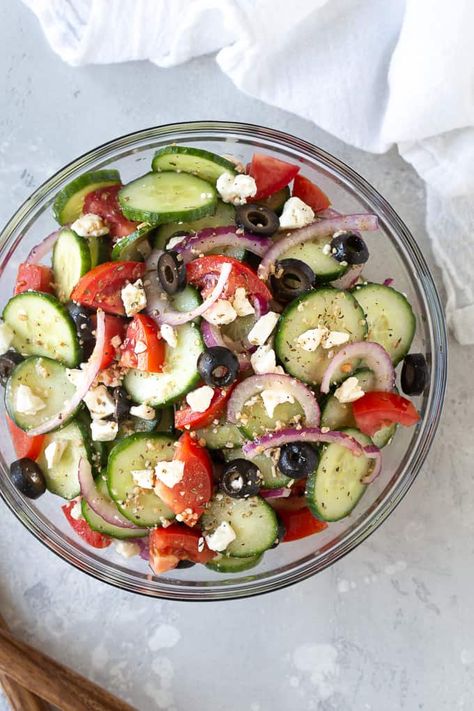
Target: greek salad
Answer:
[[201, 370]]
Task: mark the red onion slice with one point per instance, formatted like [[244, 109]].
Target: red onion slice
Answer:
[[374, 356], [212, 337], [220, 238], [42, 249], [349, 278], [254, 385], [316, 230], [98, 503], [388, 282], [373, 452], [281, 493], [306, 434], [89, 375]]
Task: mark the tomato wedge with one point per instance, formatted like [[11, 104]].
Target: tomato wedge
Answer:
[[205, 271], [270, 174], [298, 520], [101, 287], [114, 326], [24, 445], [104, 202], [143, 348], [174, 543], [34, 276], [189, 496], [82, 528], [379, 409], [310, 194], [187, 418]]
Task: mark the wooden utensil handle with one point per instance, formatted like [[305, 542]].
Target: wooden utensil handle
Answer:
[[52, 681]]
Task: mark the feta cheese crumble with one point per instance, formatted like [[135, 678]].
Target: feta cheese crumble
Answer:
[[145, 412], [200, 399], [326, 249], [99, 402], [133, 298], [170, 473], [262, 330], [241, 304], [90, 225], [311, 339], [104, 430], [168, 334], [349, 391], [127, 549], [75, 376], [76, 511], [273, 398], [236, 188], [173, 241], [26, 402], [219, 539], [335, 338], [53, 453], [143, 478], [264, 361], [6, 337], [296, 213], [220, 313]]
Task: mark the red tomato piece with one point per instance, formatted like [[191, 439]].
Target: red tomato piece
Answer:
[[186, 418], [298, 520], [205, 271], [83, 530], [101, 287], [104, 202], [36, 277], [189, 496], [174, 543], [114, 326], [307, 191], [143, 348], [378, 409], [270, 174], [25, 446]]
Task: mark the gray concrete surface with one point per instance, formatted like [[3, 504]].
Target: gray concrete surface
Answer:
[[389, 627]]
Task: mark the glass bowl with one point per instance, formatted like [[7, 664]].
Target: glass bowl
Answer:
[[394, 253]]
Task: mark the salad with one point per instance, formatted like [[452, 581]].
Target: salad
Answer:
[[195, 363]]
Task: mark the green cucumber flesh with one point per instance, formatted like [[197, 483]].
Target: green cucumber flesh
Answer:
[[142, 450], [178, 377], [255, 421], [390, 318], [253, 521], [186, 300], [324, 307], [69, 202], [230, 564], [42, 326], [47, 380], [203, 164], [323, 265], [272, 477], [98, 524], [158, 198], [277, 201], [100, 250], [71, 260], [127, 249], [223, 436]]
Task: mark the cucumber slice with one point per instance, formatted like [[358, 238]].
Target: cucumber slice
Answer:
[[100, 250], [204, 164], [142, 450], [167, 197], [225, 435], [98, 524], [253, 520], [127, 248], [272, 477], [230, 564], [71, 260], [62, 479], [323, 265], [255, 421], [186, 300], [42, 326], [179, 375], [334, 489], [390, 318], [276, 201], [336, 310], [47, 379], [69, 202]]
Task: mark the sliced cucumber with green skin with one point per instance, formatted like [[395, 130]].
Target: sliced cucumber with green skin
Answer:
[[254, 522], [332, 308], [47, 380], [62, 479], [142, 450], [323, 265], [42, 326], [223, 436], [230, 564], [166, 420], [390, 318], [69, 202], [98, 524], [127, 248], [100, 250], [272, 477], [255, 421], [158, 198], [71, 260], [336, 487], [186, 300], [178, 377], [204, 164], [277, 201]]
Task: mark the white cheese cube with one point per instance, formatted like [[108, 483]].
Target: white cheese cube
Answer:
[[75, 376], [200, 399], [273, 398], [264, 361], [133, 298], [170, 473], [263, 328], [311, 339], [236, 188], [349, 391], [145, 412], [26, 402], [6, 337], [220, 313], [104, 430], [168, 334], [90, 225], [241, 304], [296, 213], [127, 549], [219, 539], [100, 402], [53, 452], [335, 338], [76, 510], [143, 478]]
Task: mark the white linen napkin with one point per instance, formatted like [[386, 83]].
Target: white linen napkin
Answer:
[[372, 72]]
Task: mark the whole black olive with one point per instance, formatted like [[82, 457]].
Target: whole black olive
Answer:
[[414, 374], [292, 278], [122, 403], [8, 363], [256, 219], [27, 477], [84, 327], [218, 366], [349, 247], [280, 534], [297, 460], [240, 479], [171, 272]]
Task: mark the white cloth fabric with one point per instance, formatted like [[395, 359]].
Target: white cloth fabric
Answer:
[[372, 72]]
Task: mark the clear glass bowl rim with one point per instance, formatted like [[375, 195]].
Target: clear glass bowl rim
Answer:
[[118, 576]]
